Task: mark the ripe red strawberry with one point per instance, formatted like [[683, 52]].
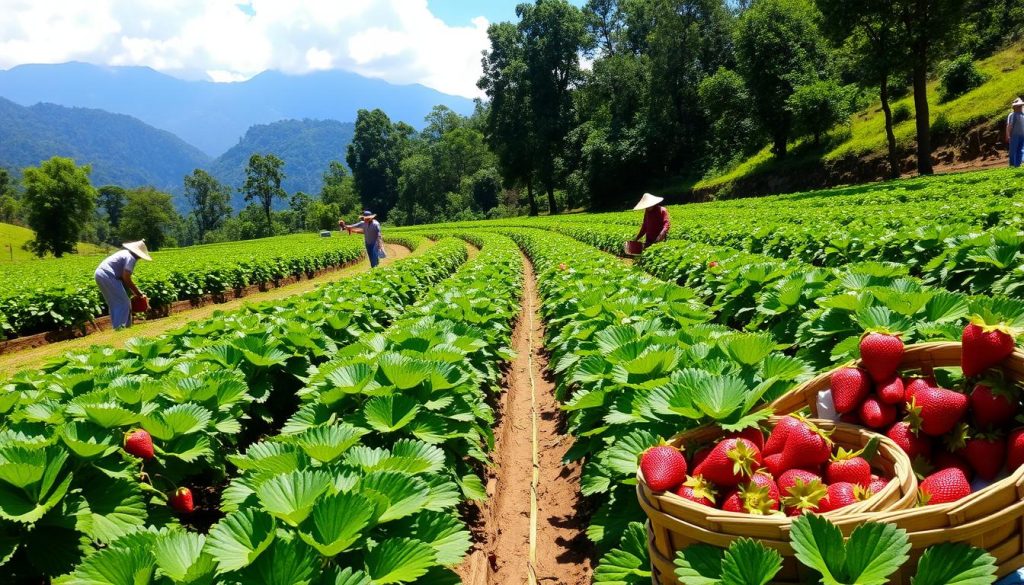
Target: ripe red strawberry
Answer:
[[562, 266], [935, 411], [773, 463], [1015, 450], [945, 460], [758, 496], [984, 346], [777, 438], [789, 479], [986, 455], [911, 386], [840, 495], [806, 446], [139, 443], [766, 482], [730, 463], [733, 502], [712, 264], [849, 388], [913, 444], [181, 501], [881, 354], [851, 418], [891, 390], [696, 489], [876, 414], [700, 456], [941, 487], [991, 408], [877, 484], [664, 467], [849, 467], [803, 495], [752, 434]]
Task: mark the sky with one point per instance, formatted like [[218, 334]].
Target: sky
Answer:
[[437, 43]]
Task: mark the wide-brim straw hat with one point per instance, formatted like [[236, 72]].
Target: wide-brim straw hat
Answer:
[[368, 214], [648, 200], [1017, 102], [138, 248]]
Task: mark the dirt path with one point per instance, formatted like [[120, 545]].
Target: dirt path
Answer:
[[529, 529], [10, 363]]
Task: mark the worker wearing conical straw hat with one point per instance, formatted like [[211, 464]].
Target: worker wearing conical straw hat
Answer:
[[1015, 132], [114, 275], [656, 223]]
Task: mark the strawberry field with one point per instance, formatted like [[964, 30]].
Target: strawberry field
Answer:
[[348, 435]]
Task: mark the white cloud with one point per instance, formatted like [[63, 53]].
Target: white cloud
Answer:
[[400, 41]]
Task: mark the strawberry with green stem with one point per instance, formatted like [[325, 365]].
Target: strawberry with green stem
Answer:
[[807, 446], [840, 495], [803, 495], [730, 462], [881, 353], [850, 386], [936, 411], [985, 345], [943, 486], [139, 443], [877, 414], [663, 467], [851, 466], [993, 405], [699, 490]]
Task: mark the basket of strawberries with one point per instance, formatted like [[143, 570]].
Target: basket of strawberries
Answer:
[[712, 487], [953, 409]]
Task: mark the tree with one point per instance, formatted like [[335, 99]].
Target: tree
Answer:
[[870, 30], [338, 192], [778, 47], [299, 205], [734, 132], [112, 200], [263, 178], [8, 200], [59, 201], [150, 215], [819, 106], [375, 155], [554, 33], [210, 201]]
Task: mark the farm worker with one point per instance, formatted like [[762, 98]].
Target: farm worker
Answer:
[[656, 224], [114, 274], [371, 236], [1015, 132]]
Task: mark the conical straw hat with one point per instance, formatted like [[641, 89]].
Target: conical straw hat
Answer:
[[648, 200], [138, 248]]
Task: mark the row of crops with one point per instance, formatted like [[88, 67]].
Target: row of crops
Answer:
[[326, 439], [46, 295]]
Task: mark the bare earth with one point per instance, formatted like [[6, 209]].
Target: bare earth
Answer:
[[10, 363], [522, 539]]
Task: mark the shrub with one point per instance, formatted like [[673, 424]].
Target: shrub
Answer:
[[959, 76], [901, 113]]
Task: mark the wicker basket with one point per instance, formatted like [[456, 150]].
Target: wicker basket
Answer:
[[675, 523], [992, 518]]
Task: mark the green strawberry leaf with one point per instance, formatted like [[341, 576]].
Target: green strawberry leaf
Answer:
[[237, 540], [700, 564], [399, 560], [629, 563], [874, 552], [748, 562], [955, 564], [291, 496], [337, 522], [819, 545], [180, 557]]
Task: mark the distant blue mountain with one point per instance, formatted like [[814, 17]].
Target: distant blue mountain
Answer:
[[121, 149], [213, 116]]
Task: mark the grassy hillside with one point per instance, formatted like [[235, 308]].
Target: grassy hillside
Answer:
[[865, 134], [13, 238]]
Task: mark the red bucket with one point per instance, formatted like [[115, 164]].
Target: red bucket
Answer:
[[140, 304], [634, 247]]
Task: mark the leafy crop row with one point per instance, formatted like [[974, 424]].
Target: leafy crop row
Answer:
[[68, 491], [49, 294]]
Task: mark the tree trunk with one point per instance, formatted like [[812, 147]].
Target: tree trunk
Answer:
[[529, 196], [552, 206], [924, 139], [894, 156], [780, 145]]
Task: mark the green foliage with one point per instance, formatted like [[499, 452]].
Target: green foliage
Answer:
[[375, 155], [263, 177], [210, 201], [818, 106], [149, 215], [59, 201], [959, 76], [112, 199]]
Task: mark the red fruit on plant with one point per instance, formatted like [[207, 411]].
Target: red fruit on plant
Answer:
[[730, 463], [945, 460], [985, 455], [777, 438], [848, 467], [891, 391], [712, 264], [806, 446], [752, 434], [984, 346], [876, 414], [1015, 450], [911, 387], [944, 486], [696, 489], [181, 501], [913, 443], [877, 484], [139, 443], [935, 411], [881, 354], [562, 266], [991, 408], [850, 386], [664, 467]]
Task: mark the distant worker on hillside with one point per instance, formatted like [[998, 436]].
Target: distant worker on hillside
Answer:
[[1015, 132], [656, 223], [370, 228], [114, 275]]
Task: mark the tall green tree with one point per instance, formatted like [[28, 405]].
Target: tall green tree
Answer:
[[263, 177], [8, 200], [554, 33], [112, 199], [338, 190], [375, 156], [210, 201], [779, 47], [870, 30], [149, 214], [59, 201]]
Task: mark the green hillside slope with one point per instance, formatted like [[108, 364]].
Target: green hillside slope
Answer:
[[13, 238]]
